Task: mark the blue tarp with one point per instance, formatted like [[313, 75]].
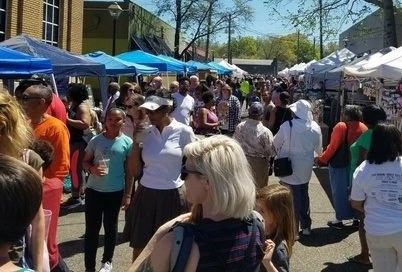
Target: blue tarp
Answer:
[[189, 68], [221, 70], [200, 65], [64, 63], [147, 59], [14, 64], [116, 66]]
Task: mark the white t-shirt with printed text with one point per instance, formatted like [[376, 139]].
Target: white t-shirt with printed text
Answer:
[[380, 187]]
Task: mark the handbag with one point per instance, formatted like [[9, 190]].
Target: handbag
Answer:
[[283, 166], [340, 158]]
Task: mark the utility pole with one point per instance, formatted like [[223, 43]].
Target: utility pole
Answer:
[[298, 46], [314, 47], [321, 44], [229, 39], [209, 30]]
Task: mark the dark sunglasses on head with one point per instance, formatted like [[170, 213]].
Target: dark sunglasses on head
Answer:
[[25, 97], [34, 81], [184, 172]]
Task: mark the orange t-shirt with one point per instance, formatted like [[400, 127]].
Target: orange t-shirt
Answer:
[[354, 128], [56, 133]]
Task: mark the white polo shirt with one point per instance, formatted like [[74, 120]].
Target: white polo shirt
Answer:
[[184, 107], [162, 155]]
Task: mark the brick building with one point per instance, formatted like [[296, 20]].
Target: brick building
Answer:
[[57, 22]]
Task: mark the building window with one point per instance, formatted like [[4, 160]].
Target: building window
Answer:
[[3, 13], [50, 22]]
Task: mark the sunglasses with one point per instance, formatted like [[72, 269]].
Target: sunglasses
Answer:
[[184, 172], [26, 97], [34, 81]]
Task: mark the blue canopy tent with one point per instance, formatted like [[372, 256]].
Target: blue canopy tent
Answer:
[[147, 59], [221, 70], [115, 66], [64, 63], [189, 68], [14, 64], [200, 65]]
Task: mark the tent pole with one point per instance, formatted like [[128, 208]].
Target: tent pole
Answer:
[[54, 84]]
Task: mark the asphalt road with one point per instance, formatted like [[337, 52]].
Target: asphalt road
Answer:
[[326, 250]]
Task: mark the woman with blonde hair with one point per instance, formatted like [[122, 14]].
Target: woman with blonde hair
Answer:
[[134, 115], [227, 236], [15, 138]]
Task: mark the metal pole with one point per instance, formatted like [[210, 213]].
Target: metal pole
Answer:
[[229, 39], [114, 37], [321, 44]]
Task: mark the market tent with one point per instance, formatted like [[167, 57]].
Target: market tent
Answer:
[[64, 63], [147, 59], [353, 67], [188, 68], [221, 70], [227, 65], [386, 66], [14, 64], [330, 62], [284, 72], [200, 65], [240, 71], [115, 66]]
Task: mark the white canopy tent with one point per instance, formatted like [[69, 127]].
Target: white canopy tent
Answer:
[[367, 65], [237, 72]]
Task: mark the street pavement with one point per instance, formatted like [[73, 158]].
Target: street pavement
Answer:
[[326, 250]]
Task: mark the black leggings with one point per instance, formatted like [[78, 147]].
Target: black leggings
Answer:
[[98, 205]]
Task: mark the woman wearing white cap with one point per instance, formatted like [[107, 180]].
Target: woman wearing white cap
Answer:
[[159, 196], [298, 139]]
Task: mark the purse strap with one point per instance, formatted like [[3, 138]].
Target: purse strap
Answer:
[[290, 138]]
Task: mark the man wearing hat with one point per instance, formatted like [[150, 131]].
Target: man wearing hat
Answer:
[[256, 141]]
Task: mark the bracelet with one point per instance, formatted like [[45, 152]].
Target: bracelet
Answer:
[[127, 195]]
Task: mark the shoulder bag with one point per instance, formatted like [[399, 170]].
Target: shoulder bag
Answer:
[[283, 166]]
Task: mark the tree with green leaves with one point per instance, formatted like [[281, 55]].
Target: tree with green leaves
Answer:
[[201, 18], [335, 13]]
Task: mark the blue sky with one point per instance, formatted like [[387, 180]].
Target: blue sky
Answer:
[[263, 24]]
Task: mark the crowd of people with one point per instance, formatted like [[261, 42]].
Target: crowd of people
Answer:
[[192, 177]]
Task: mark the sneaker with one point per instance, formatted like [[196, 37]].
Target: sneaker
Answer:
[[82, 200], [335, 224], [306, 232], [106, 267], [71, 203], [355, 223]]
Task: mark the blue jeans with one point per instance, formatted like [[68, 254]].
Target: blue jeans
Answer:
[[301, 203], [339, 181]]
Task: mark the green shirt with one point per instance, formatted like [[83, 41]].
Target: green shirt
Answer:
[[244, 88], [363, 142]]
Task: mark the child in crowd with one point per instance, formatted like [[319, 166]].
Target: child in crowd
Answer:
[[275, 204], [21, 197], [105, 160]]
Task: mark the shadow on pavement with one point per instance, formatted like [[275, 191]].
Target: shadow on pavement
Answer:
[[79, 209], [345, 267], [322, 175], [325, 236], [73, 247]]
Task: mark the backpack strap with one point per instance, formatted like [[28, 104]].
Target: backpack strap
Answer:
[[256, 225], [181, 248]]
